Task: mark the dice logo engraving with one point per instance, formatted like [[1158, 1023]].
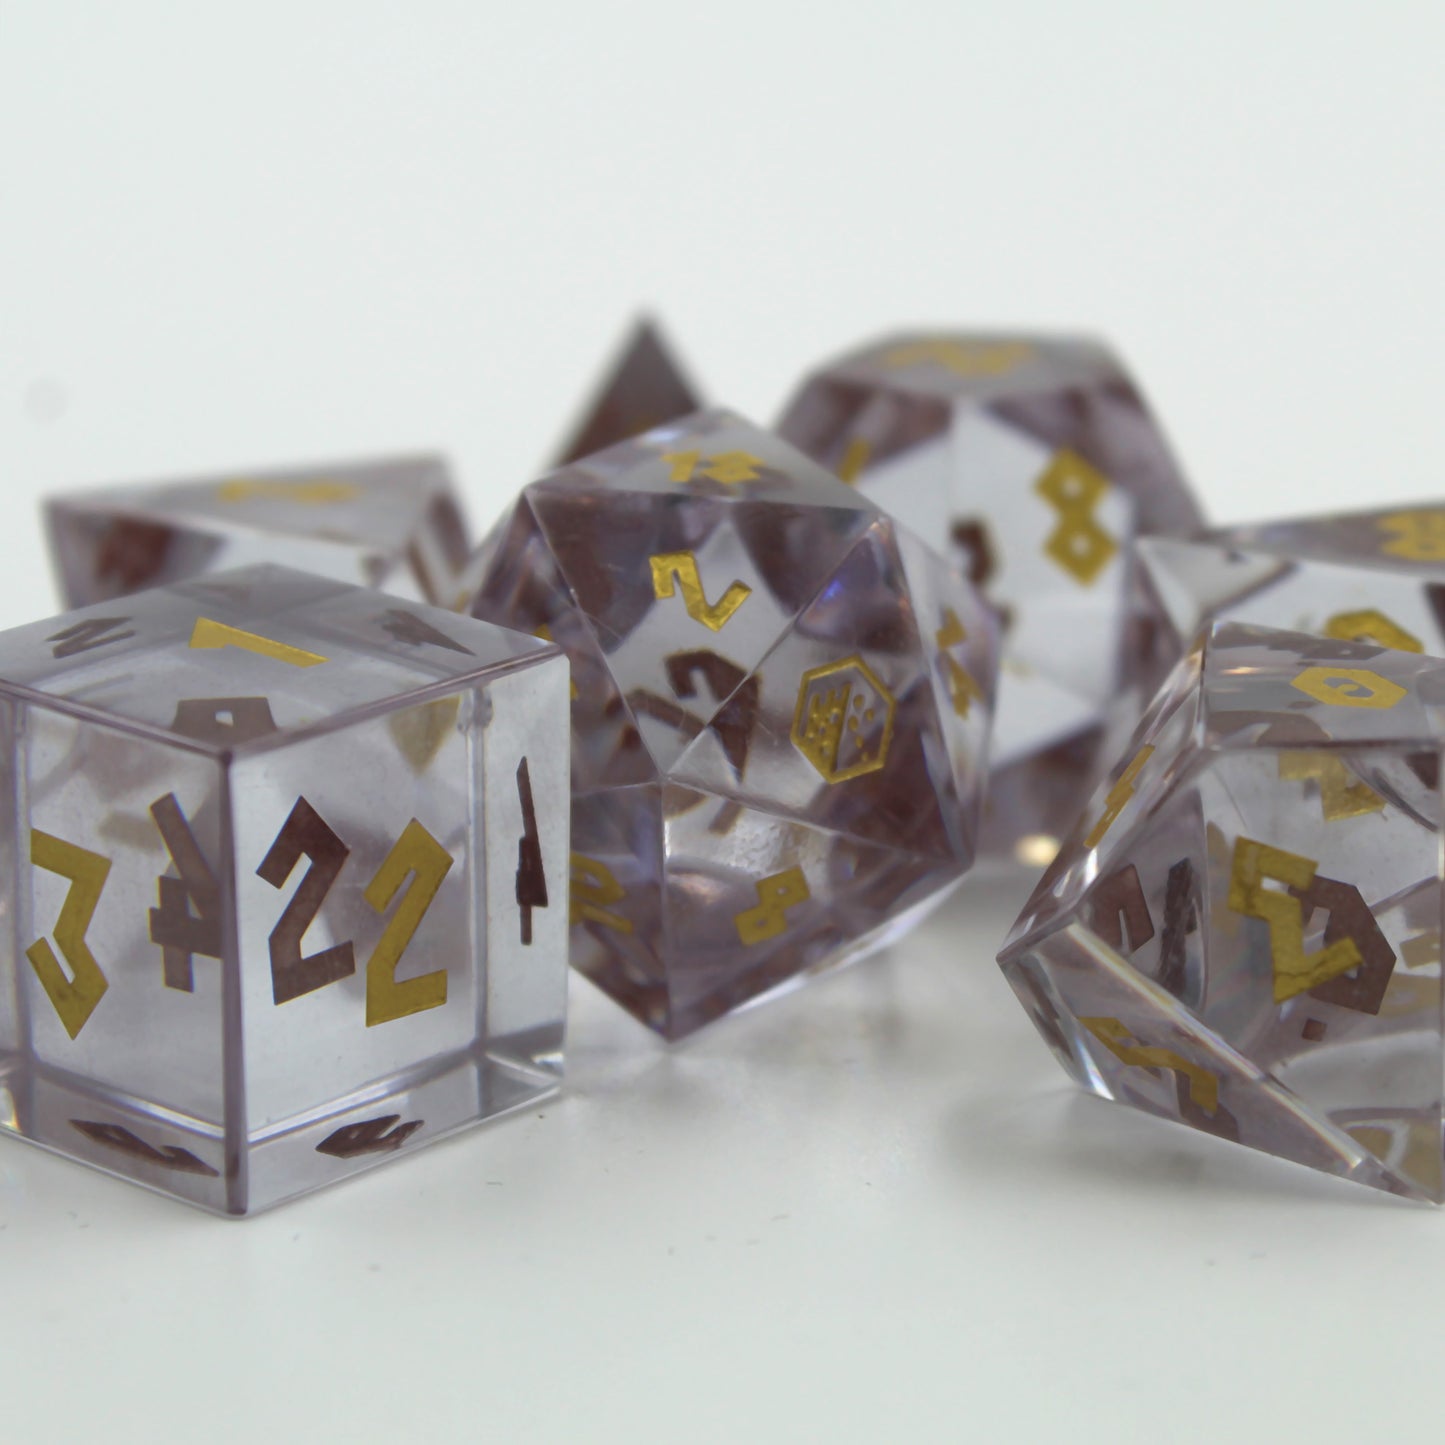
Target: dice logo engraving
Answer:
[[843, 722]]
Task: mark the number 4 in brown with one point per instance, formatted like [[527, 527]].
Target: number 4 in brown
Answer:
[[531, 876]]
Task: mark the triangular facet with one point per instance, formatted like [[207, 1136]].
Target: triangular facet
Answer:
[[755, 902], [516, 582], [844, 724], [643, 387], [1128, 1040]]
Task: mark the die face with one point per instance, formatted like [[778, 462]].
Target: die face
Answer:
[[394, 523], [643, 388], [1038, 461], [781, 702], [1243, 934], [305, 921], [1376, 576]]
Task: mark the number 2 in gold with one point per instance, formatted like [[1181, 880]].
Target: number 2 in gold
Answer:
[[75, 998], [416, 853]]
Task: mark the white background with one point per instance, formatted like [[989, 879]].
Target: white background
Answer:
[[265, 232]]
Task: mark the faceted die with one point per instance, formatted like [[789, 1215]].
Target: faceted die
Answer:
[[1038, 462], [642, 388], [1244, 932], [780, 706], [286, 859], [394, 523], [1376, 576]]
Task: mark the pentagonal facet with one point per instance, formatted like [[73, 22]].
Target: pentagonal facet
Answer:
[[1039, 464], [782, 707], [1243, 933]]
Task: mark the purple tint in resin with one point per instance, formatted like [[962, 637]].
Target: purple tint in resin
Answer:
[[780, 705], [1244, 932], [1036, 462], [393, 523]]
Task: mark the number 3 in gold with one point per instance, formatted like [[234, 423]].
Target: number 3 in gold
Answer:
[[74, 998]]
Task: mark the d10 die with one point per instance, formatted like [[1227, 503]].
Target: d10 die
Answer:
[[287, 859], [643, 387], [1037, 460], [1244, 932], [1363, 576], [395, 524], [780, 704]]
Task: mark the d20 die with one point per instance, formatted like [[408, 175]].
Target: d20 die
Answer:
[[1039, 463], [779, 710], [643, 387], [1243, 934], [395, 524], [1374, 576], [287, 864]]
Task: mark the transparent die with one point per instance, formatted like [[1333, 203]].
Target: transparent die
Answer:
[[1035, 463], [286, 861], [1244, 932], [394, 523], [780, 710]]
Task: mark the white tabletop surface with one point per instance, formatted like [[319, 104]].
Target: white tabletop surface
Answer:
[[873, 1210]]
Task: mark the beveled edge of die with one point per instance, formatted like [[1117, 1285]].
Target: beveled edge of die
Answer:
[[117, 496]]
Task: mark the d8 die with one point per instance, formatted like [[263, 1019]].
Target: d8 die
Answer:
[[1039, 464], [395, 524], [286, 858], [1364, 576], [1244, 932], [780, 704]]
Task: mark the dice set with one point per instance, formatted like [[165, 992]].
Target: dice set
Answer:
[[297, 857]]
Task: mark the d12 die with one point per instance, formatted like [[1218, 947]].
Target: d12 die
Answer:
[[643, 387], [1037, 460], [1364, 576], [287, 862], [780, 705], [395, 524], [1244, 932]]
